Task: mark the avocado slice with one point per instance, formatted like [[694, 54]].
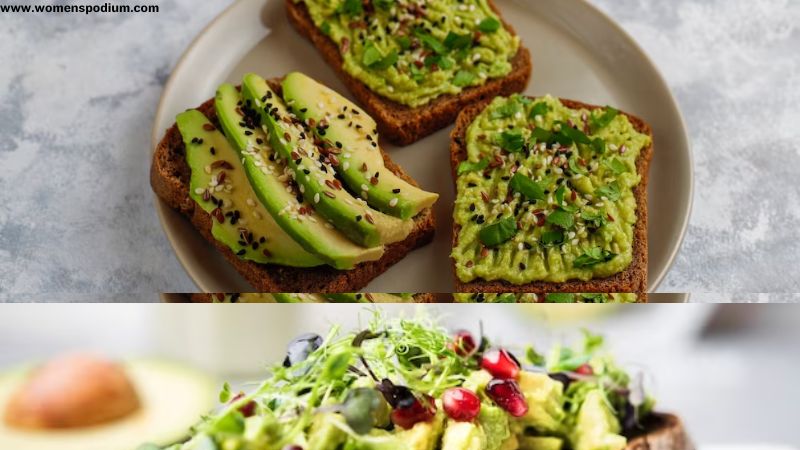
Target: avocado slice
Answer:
[[316, 176], [540, 443], [463, 436], [246, 228], [596, 426], [351, 134], [324, 433], [278, 196], [545, 402]]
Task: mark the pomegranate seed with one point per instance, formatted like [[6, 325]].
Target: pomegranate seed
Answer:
[[461, 404], [463, 343], [507, 395], [248, 409], [584, 369], [500, 363], [418, 411]]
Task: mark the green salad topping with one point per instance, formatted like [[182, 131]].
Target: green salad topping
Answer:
[[411, 384]]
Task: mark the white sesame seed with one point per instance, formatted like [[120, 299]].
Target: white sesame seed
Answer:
[[257, 214], [345, 165], [316, 197], [199, 190], [393, 202], [250, 202]]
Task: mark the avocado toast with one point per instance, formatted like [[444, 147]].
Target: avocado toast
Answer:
[[409, 384], [558, 297], [551, 197], [415, 65], [286, 178]]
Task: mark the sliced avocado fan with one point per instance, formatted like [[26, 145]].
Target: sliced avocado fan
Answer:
[[272, 184], [346, 131], [313, 170]]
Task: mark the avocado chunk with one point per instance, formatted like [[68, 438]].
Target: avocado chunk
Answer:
[[299, 298], [545, 397], [596, 428], [219, 185], [325, 434], [313, 171], [463, 436], [495, 425], [276, 192], [540, 443], [351, 135]]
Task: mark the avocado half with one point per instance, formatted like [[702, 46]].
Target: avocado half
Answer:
[[173, 397]]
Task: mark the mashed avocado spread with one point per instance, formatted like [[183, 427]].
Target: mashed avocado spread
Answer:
[[414, 51], [410, 385], [545, 298], [546, 192]]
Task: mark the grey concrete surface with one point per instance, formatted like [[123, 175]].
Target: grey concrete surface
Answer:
[[78, 94]]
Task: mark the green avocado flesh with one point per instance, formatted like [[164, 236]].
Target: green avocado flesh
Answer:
[[246, 227], [546, 193], [351, 135], [312, 298], [272, 184], [545, 298], [313, 171], [351, 391], [412, 52]]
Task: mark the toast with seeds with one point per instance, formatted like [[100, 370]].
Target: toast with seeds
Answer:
[[408, 55], [532, 198], [286, 259]]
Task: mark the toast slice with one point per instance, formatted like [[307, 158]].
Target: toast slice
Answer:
[[400, 123], [207, 298], [660, 432], [633, 279], [169, 178]]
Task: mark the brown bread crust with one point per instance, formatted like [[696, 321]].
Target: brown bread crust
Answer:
[[206, 298], [400, 123], [633, 279], [169, 178]]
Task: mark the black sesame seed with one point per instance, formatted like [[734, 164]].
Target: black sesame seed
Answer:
[[396, 191]]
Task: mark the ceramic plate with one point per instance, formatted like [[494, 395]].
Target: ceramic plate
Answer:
[[577, 52]]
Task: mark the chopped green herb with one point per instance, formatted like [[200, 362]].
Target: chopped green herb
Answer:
[[574, 134], [325, 28], [455, 41], [561, 218], [467, 166], [609, 191], [552, 237], [539, 109], [404, 42], [498, 232], [602, 121], [575, 167], [594, 219], [225, 394], [489, 25], [351, 7], [617, 166], [534, 357], [513, 141], [559, 195], [527, 187], [373, 58], [559, 298], [509, 109], [463, 78], [430, 41], [593, 256], [599, 145], [541, 135]]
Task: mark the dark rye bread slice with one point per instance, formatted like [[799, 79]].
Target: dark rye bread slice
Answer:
[[660, 432], [206, 298], [400, 123], [633, 279], [169, 178]]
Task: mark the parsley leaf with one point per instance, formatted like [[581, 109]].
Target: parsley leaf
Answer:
[[593, 298], [617, 166], [527, 187], [498, 232], [383, 4], [609, 191], [467, 166], [552, 237], [463, 78], [373, 58], [594, 219], [539, 109], [430, 41], [599, 145], [489, 24], [574, 167], [325, 28], [559, 195], [561, 218], [541, 135], [534, 357], [574, 134], [509, 109], [455, 41], [513, 141], [351, 7], [599, 122], [593, 256], [404, 42]]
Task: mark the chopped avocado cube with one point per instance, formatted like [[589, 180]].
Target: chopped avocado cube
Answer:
[[214, 166], [596, 427], [463, 436], [495, 425], [351, 134], [315, 174], [325, 434], [545, 397], [265, 172], [368, 298]]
